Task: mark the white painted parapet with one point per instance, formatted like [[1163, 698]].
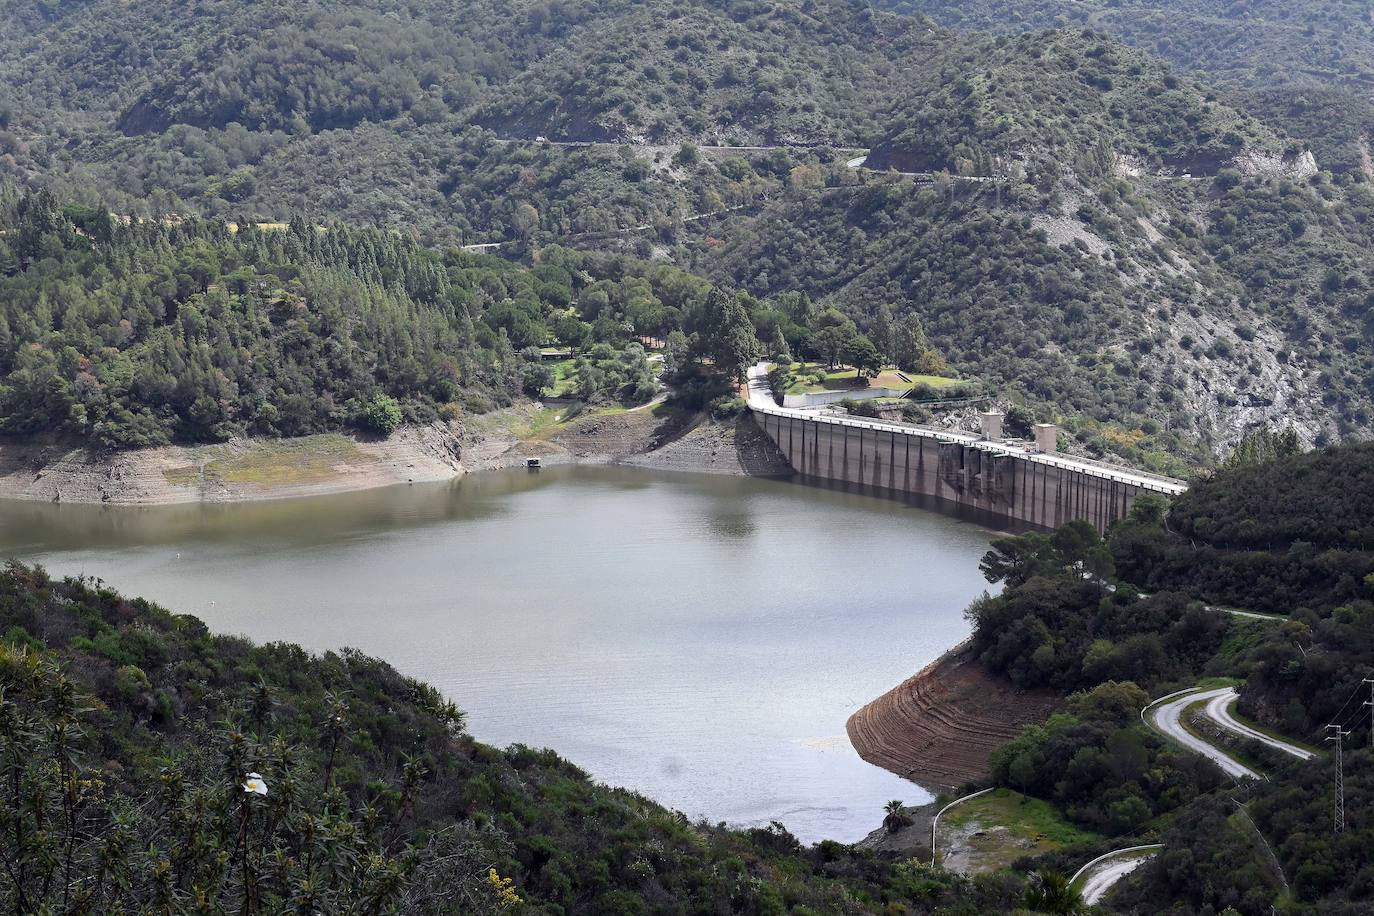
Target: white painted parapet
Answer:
[[821, 398]]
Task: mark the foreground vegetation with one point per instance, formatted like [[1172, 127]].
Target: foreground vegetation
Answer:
[[153, 766]]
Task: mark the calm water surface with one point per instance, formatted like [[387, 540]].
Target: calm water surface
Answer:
[[699, 639]]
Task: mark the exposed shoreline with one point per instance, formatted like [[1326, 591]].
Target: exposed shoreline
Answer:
[[940, 726], [250, 470]]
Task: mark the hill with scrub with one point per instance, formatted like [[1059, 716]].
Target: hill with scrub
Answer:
[[1112, 622], [1152, 267], [1151, 263], [1304, 68], [1068, 97], [379, 112]]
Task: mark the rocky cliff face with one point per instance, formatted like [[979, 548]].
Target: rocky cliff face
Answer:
[[1295, 166]]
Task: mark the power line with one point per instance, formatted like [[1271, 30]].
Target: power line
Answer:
[[1354, 693], [1370, 703]]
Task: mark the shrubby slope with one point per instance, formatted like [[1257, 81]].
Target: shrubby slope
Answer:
[[1303, 68]]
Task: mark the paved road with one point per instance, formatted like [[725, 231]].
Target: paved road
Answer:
[[1236, 612], [643, 227], [1167, 718], [704, 147], [1223, 609], [761, 399], [1104, 872], [1219, 711]]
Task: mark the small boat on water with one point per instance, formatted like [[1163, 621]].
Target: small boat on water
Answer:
[[532, 464]]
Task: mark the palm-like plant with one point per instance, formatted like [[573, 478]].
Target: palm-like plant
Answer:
[[896, 817], [1051, 892]]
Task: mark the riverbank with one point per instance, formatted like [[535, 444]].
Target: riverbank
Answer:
[[939, 727], [245, 470]]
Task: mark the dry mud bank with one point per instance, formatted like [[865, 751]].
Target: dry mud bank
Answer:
[[254, 469], [940, 727]]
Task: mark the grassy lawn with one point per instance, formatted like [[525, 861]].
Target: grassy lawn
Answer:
[[998, 828], [543, 424], [270, 463], [550, 421], [564, 378], [843, 379]]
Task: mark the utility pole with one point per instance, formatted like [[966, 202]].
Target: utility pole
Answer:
[[1338, 735], [1370, 703]]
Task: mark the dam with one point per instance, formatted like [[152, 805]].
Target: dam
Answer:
[[1027, 483]]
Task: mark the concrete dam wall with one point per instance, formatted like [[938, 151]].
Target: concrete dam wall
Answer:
[[1004, 480]]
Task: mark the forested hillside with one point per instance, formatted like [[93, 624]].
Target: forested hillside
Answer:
[[380, 112], [1152, 262], [1305, 68], [149, 333]]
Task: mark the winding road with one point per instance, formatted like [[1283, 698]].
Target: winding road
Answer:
[[855, 163], [1167, 716], [1101, 873], [1219, 711], [1168, 719]]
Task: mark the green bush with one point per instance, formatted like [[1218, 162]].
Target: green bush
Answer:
[[381, 414], [726, 407]]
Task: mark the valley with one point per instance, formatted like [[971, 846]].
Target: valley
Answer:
[[799, 456]]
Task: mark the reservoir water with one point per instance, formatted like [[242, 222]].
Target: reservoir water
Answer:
[[699, 639]]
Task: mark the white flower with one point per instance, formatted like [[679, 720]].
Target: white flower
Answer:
[[253, 784]]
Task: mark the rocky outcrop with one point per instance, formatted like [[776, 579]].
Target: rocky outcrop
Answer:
[[734, 447], [1260, 163], [940, 726]]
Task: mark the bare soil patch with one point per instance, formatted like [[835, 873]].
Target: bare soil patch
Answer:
[[940, 727]]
